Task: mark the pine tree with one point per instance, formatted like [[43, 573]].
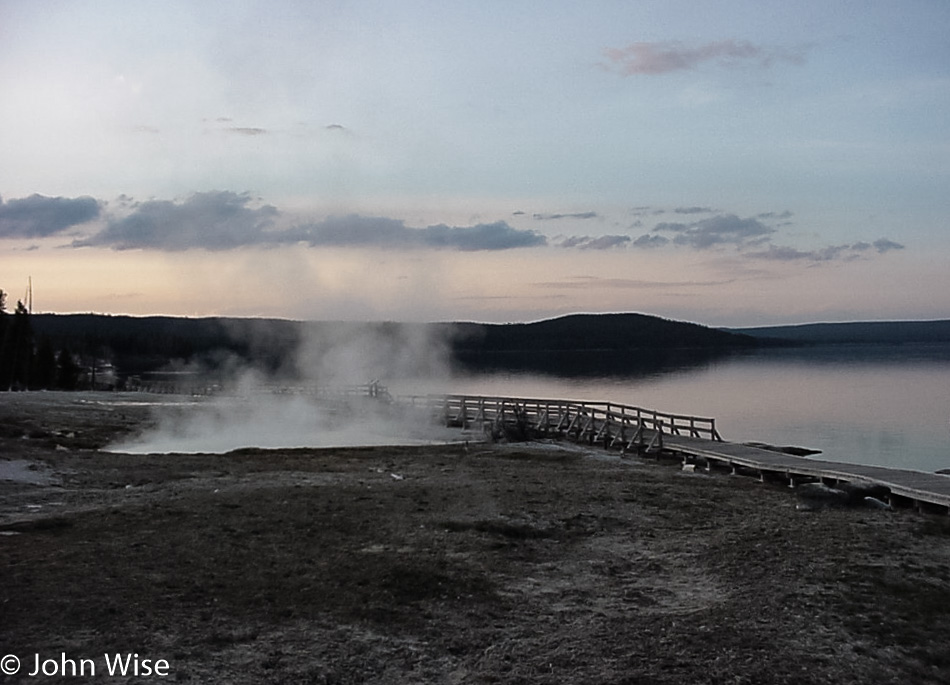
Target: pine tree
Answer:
[[67, 376], [19, 349], [44, 366]]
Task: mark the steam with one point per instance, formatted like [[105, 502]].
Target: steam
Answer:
[[305, 405]]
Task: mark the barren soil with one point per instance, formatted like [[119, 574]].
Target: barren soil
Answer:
[[518, 563]]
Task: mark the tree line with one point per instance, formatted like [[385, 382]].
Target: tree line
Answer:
[[27, 363], [80, 351]]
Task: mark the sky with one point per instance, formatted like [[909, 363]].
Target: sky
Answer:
[[730, 162]]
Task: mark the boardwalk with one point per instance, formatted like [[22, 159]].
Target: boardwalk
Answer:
[[636, 430], [695, 440], [918, 489]]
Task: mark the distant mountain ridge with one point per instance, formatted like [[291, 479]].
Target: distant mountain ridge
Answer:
[[596, 332], [574, 343], [861, 332]]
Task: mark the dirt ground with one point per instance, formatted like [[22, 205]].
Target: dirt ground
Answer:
[[519, 563]]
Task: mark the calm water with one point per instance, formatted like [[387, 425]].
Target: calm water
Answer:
[[887, 406]]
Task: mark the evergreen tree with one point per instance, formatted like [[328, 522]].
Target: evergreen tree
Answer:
[[44, 366], [19, 349], [67, 376], [5, 363]]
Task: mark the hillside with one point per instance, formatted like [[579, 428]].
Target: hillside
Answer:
[[593, 344], [867, 332], [567, 344], [597, 333], [142, 344]]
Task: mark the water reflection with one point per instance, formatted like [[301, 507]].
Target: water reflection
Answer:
[[872, 404], [587, 364]]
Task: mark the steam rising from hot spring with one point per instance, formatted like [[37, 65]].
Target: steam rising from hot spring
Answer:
[[256, 411]]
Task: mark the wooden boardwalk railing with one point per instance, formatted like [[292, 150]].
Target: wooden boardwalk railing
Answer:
[[606, 423], [199, 387], [693, 439]]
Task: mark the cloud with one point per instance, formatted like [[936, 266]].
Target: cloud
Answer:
[[825, 254], [785, 253], [246, 130], [355, 230], [883, 245], [578, 215], [604, 242], [586, 282], [775, 215], [643, 58], [217, 220], [649, 241], [222, 220], [716, 230], [496, 236], [693, 210], [38, 216]]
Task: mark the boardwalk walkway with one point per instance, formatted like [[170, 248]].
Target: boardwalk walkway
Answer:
[[695, 440], [628, 429], [918, 489]]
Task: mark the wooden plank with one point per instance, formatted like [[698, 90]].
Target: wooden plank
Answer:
[[933, 488]]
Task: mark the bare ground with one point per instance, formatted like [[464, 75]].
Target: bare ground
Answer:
[[519, 563]]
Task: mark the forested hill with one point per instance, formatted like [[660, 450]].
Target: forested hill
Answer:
[[866, 332], [141, 344], [595, 333], [593, 344]]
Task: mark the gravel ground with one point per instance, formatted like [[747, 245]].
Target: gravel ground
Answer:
[[516, 563]]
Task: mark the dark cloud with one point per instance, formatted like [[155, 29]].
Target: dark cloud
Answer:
[[694, 210], [577, 215], [716, 230], [643, 58], [784, 253], [775, 215], [883, 245], [216, 220], [648, 241], [224, 220], [335, 127], [496, 236], [355, 230], [604, 242], [574, 241], [38, 216], [825, 254]]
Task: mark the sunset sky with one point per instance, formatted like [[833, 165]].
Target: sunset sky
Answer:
[[725, 162]]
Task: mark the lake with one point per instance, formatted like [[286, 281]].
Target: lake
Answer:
[[875, 404]]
